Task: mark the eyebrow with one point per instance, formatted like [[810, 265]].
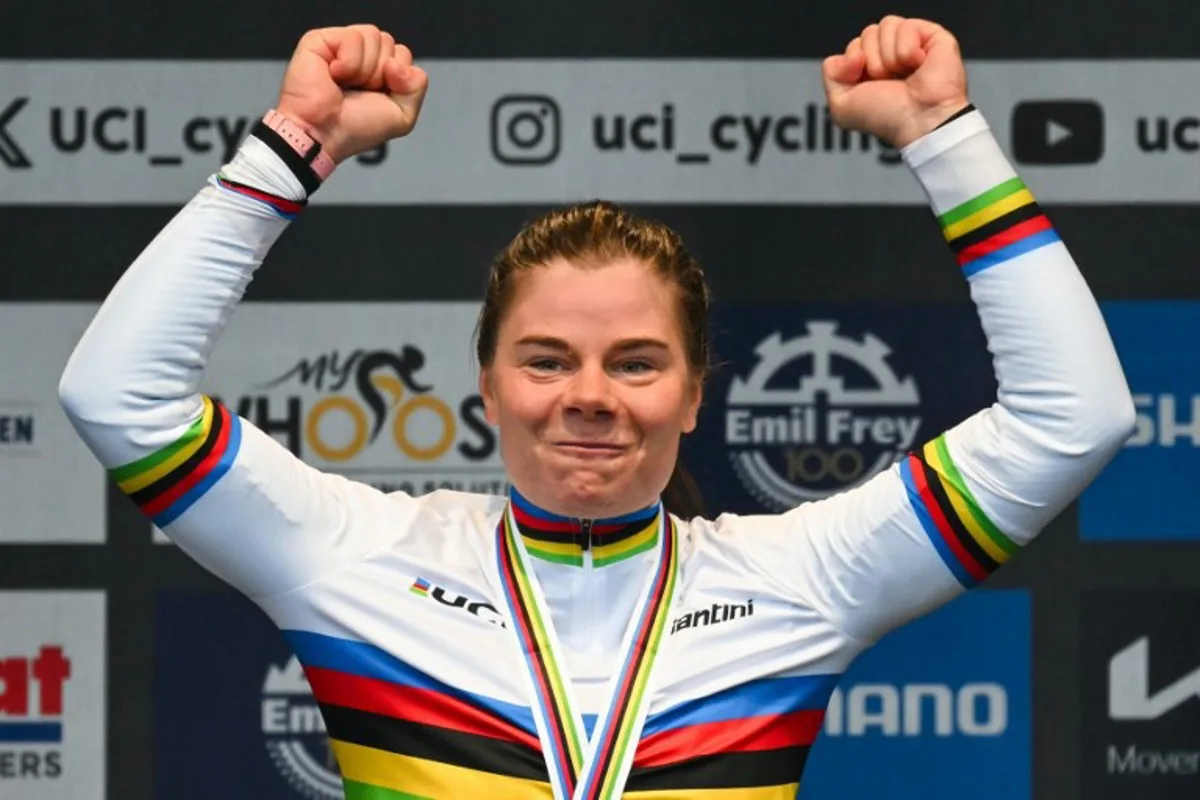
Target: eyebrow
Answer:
[[625, 345]]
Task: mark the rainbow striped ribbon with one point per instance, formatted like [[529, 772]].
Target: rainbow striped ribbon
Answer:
[[581, 769]]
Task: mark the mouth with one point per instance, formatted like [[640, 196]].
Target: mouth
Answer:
[[589, 449]]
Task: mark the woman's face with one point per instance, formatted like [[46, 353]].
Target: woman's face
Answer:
[[590, 387]]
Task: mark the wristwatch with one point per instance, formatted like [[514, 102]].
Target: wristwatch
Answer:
[[296, 146]]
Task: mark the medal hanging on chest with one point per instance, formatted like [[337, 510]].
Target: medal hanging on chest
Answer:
[[581, 769]]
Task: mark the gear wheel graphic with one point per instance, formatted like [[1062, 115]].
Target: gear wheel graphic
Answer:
[[822, 341], [303, 773]]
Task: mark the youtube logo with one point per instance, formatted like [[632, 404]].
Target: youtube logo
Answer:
[[1058, 132]]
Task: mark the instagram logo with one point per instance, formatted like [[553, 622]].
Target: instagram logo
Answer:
[[526, 129]]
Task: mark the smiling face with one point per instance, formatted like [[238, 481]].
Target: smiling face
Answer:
[[590, 386]]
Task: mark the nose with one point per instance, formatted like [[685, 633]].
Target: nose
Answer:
[[589, 393]]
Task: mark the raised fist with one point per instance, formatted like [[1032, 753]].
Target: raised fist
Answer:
[[898, 80], [353, 88]]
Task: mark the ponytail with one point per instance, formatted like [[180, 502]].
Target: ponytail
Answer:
[[682, 496]]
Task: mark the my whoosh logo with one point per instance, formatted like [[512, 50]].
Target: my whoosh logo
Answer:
[[478, 608]]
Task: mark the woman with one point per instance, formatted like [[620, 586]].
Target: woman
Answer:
[[604, 647]]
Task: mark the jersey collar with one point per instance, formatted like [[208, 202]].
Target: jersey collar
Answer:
[[563, 540]]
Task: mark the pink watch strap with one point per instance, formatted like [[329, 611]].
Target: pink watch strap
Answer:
[[301, 141]]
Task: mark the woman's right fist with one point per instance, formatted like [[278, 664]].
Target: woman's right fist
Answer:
[[353, 88]]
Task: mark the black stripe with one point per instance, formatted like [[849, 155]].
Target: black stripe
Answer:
[[723, 771], [433, 743], [555, 717], [1014, 217], [614, 29], [575, 537], [300, 166], [962, 112], [148, 493], [606, 757], [934, 480]]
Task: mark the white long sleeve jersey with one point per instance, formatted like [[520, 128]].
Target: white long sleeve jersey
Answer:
[[402, 612]]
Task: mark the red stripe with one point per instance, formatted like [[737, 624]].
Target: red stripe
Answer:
[[557, 526], [423, 706], [604, 749], [1004, 238], [730, 736], [152, 508], [283, 204], [530, 645], [966, 559]]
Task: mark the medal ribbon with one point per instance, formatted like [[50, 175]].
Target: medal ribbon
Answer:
[[579, 769]]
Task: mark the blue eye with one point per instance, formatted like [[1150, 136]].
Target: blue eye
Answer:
[[546, 364], [636, 367]]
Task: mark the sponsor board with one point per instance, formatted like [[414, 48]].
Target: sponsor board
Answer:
[[1144, 492], [648, 131], [1140, 695], [42, 459], [810, 401], [383, 393], [52, 695], [931, 707]]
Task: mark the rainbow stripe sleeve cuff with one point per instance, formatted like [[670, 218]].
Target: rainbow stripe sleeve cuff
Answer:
[[996, 226], [968, 542], [288, 209], [168, 482]]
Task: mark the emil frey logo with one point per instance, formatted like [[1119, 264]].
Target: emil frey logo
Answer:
[[819, 413], [295, 732]]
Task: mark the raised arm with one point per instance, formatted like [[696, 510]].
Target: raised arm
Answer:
[[228, 494], [951, 513]]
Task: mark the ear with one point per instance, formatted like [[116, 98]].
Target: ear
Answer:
[[491, 411], [695, 393]]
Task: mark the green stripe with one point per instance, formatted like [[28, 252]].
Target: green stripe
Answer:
[[994, 195], [641, 548], [558, 694], [643, 678], [956, 480], [574, 560], [365, 791], [151, 461]]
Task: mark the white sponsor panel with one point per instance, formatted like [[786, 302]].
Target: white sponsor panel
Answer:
[[513, 131], [52, 489], [52, 695], [384, 393]]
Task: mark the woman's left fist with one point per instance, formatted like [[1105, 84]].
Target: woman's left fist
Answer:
[[898, 80]]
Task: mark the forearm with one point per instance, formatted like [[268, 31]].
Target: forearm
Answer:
[[1063, 404], [131, 385]]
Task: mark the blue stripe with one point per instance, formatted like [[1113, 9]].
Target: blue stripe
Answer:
[[534, 511], [216, 181], [1039, 239], [368, 661], [931, 529], [42, 732], [169, 515], [768, 696]]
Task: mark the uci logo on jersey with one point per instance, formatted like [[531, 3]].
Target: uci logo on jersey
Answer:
[[479, 608]]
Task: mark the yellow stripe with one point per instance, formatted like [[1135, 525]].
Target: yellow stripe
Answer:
[[131, 485], [784, 792], [431, 778], [963, 510], [557, 548], [625, 545], [986, 215]]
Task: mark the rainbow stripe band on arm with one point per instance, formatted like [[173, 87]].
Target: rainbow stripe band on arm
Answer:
[[970, 543], [288, 209], [169, 481], [998, 225]]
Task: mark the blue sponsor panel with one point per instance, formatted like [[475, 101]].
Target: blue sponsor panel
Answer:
[[808, 401], [234, 715], [1147, 491], [939, 710]]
